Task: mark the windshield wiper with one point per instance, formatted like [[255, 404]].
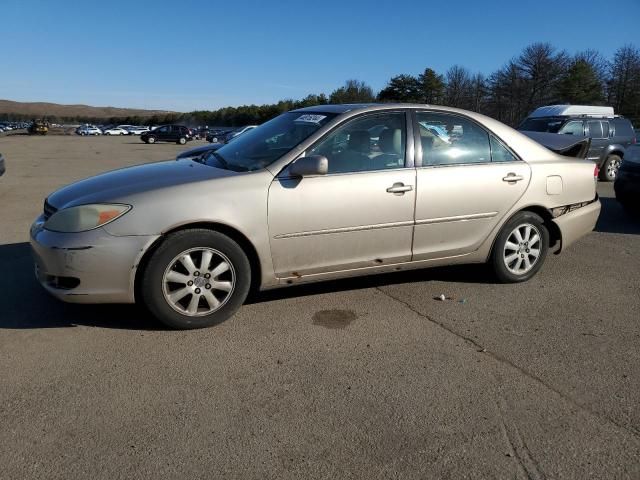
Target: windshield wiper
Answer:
[[227, 165], [221, 159]]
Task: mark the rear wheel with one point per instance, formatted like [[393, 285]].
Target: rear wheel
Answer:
[[196, 278], [182, 141], [520, 248], [609, 170]]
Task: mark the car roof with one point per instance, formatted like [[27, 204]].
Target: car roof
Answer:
[[338, 108]]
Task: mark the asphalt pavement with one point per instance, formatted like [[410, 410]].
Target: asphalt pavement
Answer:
[[364, 378]]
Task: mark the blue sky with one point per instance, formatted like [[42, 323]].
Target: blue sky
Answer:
[[184, 55]]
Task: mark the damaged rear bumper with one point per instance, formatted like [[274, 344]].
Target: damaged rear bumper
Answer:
[[577, 223], [87, 267]]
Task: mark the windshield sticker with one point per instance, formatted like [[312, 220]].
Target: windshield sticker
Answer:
[[310, 118]]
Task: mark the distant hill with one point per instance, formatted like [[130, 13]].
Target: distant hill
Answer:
[[39, 109]]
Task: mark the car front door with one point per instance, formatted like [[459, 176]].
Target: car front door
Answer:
[[163, 132], [467, 180], [360, 214]]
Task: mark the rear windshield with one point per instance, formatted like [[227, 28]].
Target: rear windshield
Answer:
[[551, 125]]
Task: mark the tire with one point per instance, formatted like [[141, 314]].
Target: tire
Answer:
[[214, 140], [151, 140], [609, 169], [182, 141], [161, 294], [528, 225]]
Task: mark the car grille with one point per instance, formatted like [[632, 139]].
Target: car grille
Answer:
[[49, 210]]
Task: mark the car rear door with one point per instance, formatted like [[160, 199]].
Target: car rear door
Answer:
[[360, 214], [467, 180], [599, 141]]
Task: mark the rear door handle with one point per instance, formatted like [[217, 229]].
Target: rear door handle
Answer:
[[399, 188], [512, 177]]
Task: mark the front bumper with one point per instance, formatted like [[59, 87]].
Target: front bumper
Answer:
[[87, 267], [577, 223]]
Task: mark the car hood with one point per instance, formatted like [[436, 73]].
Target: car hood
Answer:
[[567, 145], [199, 150], [116, 185]]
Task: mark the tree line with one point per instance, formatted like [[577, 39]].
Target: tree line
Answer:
[[540, 75]]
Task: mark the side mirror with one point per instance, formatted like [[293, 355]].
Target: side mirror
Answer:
[[312, 165]]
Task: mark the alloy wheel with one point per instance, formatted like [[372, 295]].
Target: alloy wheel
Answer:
[[612, 168], [522, 249], [198, 281]]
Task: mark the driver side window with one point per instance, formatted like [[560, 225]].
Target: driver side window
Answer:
[[373, 142]]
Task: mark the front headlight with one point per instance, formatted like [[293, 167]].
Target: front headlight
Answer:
[[85, 217]]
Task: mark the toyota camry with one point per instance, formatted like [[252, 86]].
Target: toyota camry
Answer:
[[318, 193]]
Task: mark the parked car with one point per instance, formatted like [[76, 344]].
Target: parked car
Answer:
[[137, 130], [610, 135], [216, 135], [167, 133], [115, 131], [305, 197], [88, 130], [2, 165], [237, 132], [627, 184]]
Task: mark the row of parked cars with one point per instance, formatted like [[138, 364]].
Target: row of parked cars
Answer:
[[9, 126], [181, 134], [111, 130]]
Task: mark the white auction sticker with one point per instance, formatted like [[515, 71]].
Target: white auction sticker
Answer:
[[311, 118]]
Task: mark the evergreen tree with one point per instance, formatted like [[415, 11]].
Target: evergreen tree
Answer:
[[581, 85], [401, 88], [431, 87]]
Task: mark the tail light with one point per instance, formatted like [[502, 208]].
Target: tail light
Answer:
[[634, 140], [596, 172]]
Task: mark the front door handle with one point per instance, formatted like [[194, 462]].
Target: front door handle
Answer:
[[399, 188], [512, 177]]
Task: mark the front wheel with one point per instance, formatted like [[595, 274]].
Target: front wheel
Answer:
[[151, 140], [182, 141], [520, 248], [196, 278], [609, 170]]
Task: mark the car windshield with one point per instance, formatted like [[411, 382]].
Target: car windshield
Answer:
[[551, 125], [263, 145]]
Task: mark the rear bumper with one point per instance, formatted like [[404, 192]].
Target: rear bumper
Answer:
[[627, 187], [576, 224], [87, 267]]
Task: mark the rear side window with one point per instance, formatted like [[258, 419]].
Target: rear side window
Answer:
[[605, 129], [500, 153], [622, 127], [595, 128], [452, 140]]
